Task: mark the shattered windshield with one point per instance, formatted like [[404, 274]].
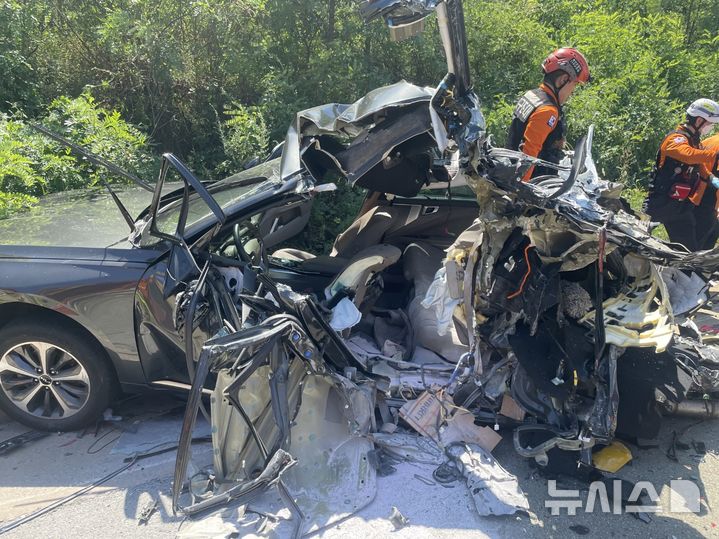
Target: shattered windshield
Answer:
[[81, 218], [227, 193]]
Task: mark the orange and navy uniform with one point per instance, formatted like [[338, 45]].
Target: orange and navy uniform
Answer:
[[537, 127], [708, 210], [682, 168], [679, 180]]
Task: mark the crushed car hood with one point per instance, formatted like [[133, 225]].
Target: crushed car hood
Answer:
[[584, 201]]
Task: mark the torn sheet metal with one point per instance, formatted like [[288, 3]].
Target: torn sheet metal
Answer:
[[345, 119], [394, 376], [495, 491], [640, 317], [409, 447], [552, 283], [397, 519], [333, 478], [274, 396], [686, 292], [707, 322], [397, 12], [16, 442], [535, 266]]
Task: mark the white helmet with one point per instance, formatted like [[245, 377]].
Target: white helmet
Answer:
[[704, 108]]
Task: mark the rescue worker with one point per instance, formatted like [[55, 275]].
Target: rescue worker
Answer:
[[537, 127], [681, 174]]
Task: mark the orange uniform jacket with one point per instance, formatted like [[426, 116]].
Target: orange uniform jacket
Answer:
[[711, 143], [540, 125], [677, 146], [537, 128]]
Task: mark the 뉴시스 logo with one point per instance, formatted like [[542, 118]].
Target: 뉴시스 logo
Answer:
[[684, 497]]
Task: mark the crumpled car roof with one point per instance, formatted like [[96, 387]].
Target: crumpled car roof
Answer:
[[345, 119]]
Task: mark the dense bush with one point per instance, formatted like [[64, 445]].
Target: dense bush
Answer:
[[331, 214], [245, 136], [631, 101], [32, 164], [218, 82]]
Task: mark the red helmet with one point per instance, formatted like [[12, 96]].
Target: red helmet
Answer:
[[569, 60]]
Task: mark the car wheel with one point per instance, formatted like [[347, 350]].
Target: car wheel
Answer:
[[52, 377]]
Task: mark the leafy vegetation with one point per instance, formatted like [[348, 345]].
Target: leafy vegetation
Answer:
[[217, 82], [32, 165]]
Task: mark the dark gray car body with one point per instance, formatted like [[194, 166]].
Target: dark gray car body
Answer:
[[72, 259], [118, 294]]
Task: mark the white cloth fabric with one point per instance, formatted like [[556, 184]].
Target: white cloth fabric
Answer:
[[439, 296], [344, 315]]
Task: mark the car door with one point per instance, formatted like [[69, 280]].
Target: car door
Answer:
[[279, 211]]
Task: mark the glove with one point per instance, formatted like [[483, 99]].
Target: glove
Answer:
[[714, 181]]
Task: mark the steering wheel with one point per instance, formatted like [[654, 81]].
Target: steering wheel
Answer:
[[256, 256], [239, 245]]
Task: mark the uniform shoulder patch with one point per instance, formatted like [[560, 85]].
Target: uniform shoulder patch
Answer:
[[552, 121], [679, 139]]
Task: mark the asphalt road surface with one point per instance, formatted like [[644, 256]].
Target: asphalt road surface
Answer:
[[48, 469]]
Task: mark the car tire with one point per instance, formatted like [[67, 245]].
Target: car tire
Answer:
[[53, 377]]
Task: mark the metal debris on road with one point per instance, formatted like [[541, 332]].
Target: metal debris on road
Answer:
[[21, 440], [146, 512], [495, 491], [397, 519]]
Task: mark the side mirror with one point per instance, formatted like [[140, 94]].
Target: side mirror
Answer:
[[404, 18]]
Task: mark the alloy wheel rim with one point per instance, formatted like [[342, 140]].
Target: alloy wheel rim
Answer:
[[44, 380]]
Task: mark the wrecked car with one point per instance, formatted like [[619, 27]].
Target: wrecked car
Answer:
[[86, 302], [553, 314], [461, 302], [90, 301]]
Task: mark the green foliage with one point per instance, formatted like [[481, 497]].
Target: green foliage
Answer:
[[19, 44], [173, 67], [331, 214], [506, 47], [630, 100], [244, 136], [104, 133], [636, 196], [32, 164], [14, 202]]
